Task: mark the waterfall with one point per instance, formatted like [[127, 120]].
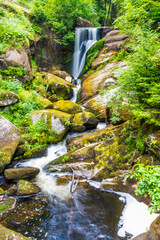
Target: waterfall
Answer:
[[84, 39]]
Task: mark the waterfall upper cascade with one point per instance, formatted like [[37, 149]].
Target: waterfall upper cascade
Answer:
[[84, 39]]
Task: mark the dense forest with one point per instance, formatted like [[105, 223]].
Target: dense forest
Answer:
[[25, 28]]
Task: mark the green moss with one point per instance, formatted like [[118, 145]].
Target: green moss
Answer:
[[6, 205]]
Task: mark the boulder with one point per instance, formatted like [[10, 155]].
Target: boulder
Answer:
[[103, 57], [6, 233], [56, 121], [59, 86], [1, 191], [62, 74], [12, 191], [83, 121], [8, 98], [83, 23], [9, 140], [53, 98], [26, 188], [16, 58], [67, 106], [114, 38], [93, 137], [6, 204], [36, 152], [21, 173]]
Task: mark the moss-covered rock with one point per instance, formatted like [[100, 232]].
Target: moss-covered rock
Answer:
[[103, 57], [62, 74], [49, 84], [12, 191], [93, 137], [153, 144], [67, 106], [8, 98], [56, 121], [110, 156], [26, 188], [6, 204], [36, 152], [6, 233], [9, 140], [1, 191], [21, 173], [83, 121]]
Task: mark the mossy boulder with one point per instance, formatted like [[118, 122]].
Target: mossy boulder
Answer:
[[110, 156], [12, 191], [6, 204], [103, 57], [94, 137], [8, 98], [1, 191], [9, 140], [98, 104], [21, 173], [6, 233], [26, 188], [59, 86], [83, 121], [67, 106], [30, 95], [36, 152], [62, 74], [56, 122]]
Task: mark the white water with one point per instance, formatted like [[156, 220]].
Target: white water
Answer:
[[84, 39], [136, 217]]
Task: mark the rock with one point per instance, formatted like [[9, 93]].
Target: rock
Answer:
[[83, 23], [57, 122], [1, 191], [26, 188], [67, 106], [94, 137], [115, 46], [110, 155], [21, 173], [36, 152], [3, 65], [9, 140], [8, 98], [94, 83], [12, 191], [106, 30], [62, 181], [62, 74], [10, 235], [83, 121], [112, 33], [60, 87], [103, 56], [114, 38], [53, 98], [16, 58], [6, 204]]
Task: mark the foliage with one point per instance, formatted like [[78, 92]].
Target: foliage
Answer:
[[148, 183], [92, 54], [16, 30], [62, 16], [14, 71]]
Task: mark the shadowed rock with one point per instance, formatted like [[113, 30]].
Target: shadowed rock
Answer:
[[21, 173]]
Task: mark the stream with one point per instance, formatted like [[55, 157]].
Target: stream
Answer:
[[92, 214]]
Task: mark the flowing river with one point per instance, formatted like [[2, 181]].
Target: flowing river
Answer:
[[92, 214]]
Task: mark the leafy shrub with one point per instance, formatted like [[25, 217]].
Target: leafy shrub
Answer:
[[148, 183]]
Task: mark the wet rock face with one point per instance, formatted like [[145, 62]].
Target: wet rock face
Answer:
[[67, 106], [10, 235], [9, 140], [6, 204], [26, 188], [8, 98], [21, 173], [16, 59]]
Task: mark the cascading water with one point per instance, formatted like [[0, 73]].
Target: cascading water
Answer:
[[95, 214], [84, 39]]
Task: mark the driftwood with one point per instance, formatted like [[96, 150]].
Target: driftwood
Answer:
[[73, 187]]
